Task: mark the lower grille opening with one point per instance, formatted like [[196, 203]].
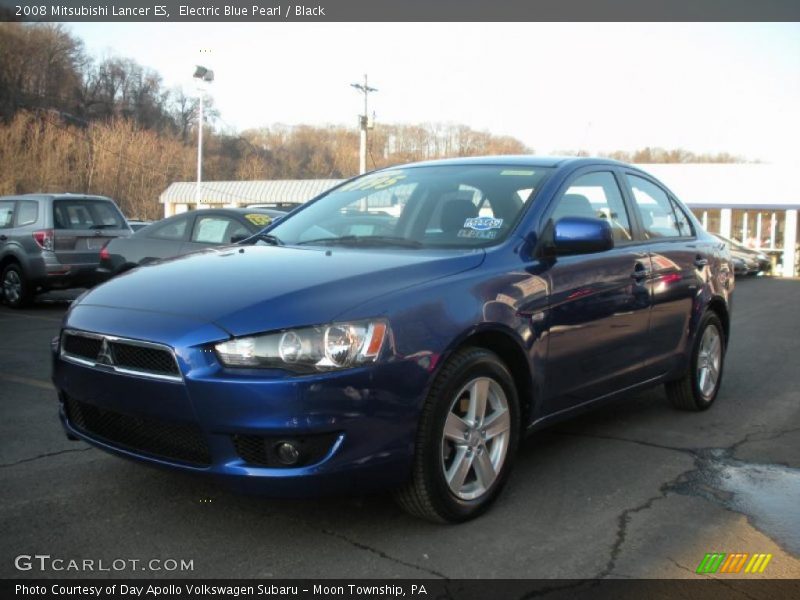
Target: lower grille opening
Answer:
[[264, 451], [171, 441]]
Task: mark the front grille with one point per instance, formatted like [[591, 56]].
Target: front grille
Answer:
[[145, 358], [171, 441], [261, 451], [85, 347], [140, 358]]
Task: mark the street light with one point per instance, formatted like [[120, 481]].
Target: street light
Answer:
[[365, 124], [203, 75]]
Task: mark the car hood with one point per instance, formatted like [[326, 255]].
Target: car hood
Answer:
[[249, 289]]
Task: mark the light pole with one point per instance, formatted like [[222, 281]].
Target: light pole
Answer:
[[365, 124], [203, 75]]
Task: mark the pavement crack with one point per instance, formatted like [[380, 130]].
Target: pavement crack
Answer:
[[41, 456], [381, 553], [623, 520], [627, 440], [365, 547]]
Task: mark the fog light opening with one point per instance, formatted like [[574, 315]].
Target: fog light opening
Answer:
[[288, 453]]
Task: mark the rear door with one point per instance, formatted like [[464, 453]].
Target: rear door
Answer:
[[82, 226], [678, 260]]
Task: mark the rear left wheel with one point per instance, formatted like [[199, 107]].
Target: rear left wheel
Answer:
[[698, 388], [467, 439]]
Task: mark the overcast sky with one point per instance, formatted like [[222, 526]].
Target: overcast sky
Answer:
[[596, 86]]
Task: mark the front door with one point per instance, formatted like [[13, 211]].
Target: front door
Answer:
[[599, 303]]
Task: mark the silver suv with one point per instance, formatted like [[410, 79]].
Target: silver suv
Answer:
[[53, 241]]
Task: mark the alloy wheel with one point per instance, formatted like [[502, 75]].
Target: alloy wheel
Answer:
[[709, 360], [12, 286], [475, 438]]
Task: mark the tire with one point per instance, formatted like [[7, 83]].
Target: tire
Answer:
[[693, 392], [16, 291], [472, 443]]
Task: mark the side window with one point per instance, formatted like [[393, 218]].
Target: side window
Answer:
[[27, 213], [596, 195], [213, 230], [683, 222], [658, 217], [6, 214], [172, 230]]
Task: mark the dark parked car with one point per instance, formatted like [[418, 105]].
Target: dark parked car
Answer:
[[184, 233], [747, 261], [511, 292], [53, 241]]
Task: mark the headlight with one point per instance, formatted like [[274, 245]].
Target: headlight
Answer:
[[309, 349]]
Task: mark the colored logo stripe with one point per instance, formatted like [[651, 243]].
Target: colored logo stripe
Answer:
[[758, 563], [711, 562], [733, 563]]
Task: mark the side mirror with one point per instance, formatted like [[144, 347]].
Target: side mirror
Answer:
[[240, 237], [581, 235]]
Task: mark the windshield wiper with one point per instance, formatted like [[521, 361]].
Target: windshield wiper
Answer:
[[365, 240], [268, 238]]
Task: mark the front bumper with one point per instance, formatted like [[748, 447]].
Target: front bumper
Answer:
[[367, 417]]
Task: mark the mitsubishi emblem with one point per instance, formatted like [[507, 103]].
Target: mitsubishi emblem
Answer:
[[104, 356]]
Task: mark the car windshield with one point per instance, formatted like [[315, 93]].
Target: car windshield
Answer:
[[453, 206]]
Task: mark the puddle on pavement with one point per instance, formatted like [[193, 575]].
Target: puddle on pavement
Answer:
[[768, 494]]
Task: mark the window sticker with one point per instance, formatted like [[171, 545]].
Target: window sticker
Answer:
[[257, 219], [483, 223], [516, 172], [378, 181], [477, 235]]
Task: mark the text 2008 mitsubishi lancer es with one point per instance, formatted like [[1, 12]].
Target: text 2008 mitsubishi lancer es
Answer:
[[403, 330]]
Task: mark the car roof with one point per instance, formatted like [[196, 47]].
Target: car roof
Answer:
[[514, 160], [58, 196]]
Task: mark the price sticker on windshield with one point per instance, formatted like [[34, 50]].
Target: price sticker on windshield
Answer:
[[260, 220], [378, 181]]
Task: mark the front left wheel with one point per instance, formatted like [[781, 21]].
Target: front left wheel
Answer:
[[466, 441]]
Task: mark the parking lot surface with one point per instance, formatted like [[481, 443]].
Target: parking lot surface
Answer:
[[634, 489]]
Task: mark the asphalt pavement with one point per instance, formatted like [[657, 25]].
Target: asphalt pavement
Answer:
[[633, 489]]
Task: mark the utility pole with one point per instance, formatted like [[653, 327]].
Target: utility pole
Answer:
[[365, 123], [203, 75]]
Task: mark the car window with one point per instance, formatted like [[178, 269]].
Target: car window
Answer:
[[214, 229], [683, 222], [596, 195], [86, 214], [655, 207], [27, 212], [6, 214], [454, 206], [173, 229]]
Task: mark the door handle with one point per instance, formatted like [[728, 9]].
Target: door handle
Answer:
[[700, 262], [640, 271]]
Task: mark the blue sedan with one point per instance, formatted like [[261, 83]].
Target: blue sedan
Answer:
[[404, 330]]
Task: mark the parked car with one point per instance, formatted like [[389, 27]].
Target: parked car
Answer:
[[749, 261], [136, 224], [184, 233], [53, 241], [512, 293]]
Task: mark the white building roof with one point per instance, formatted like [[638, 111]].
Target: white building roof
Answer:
[[730, 185], [247, 192]]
